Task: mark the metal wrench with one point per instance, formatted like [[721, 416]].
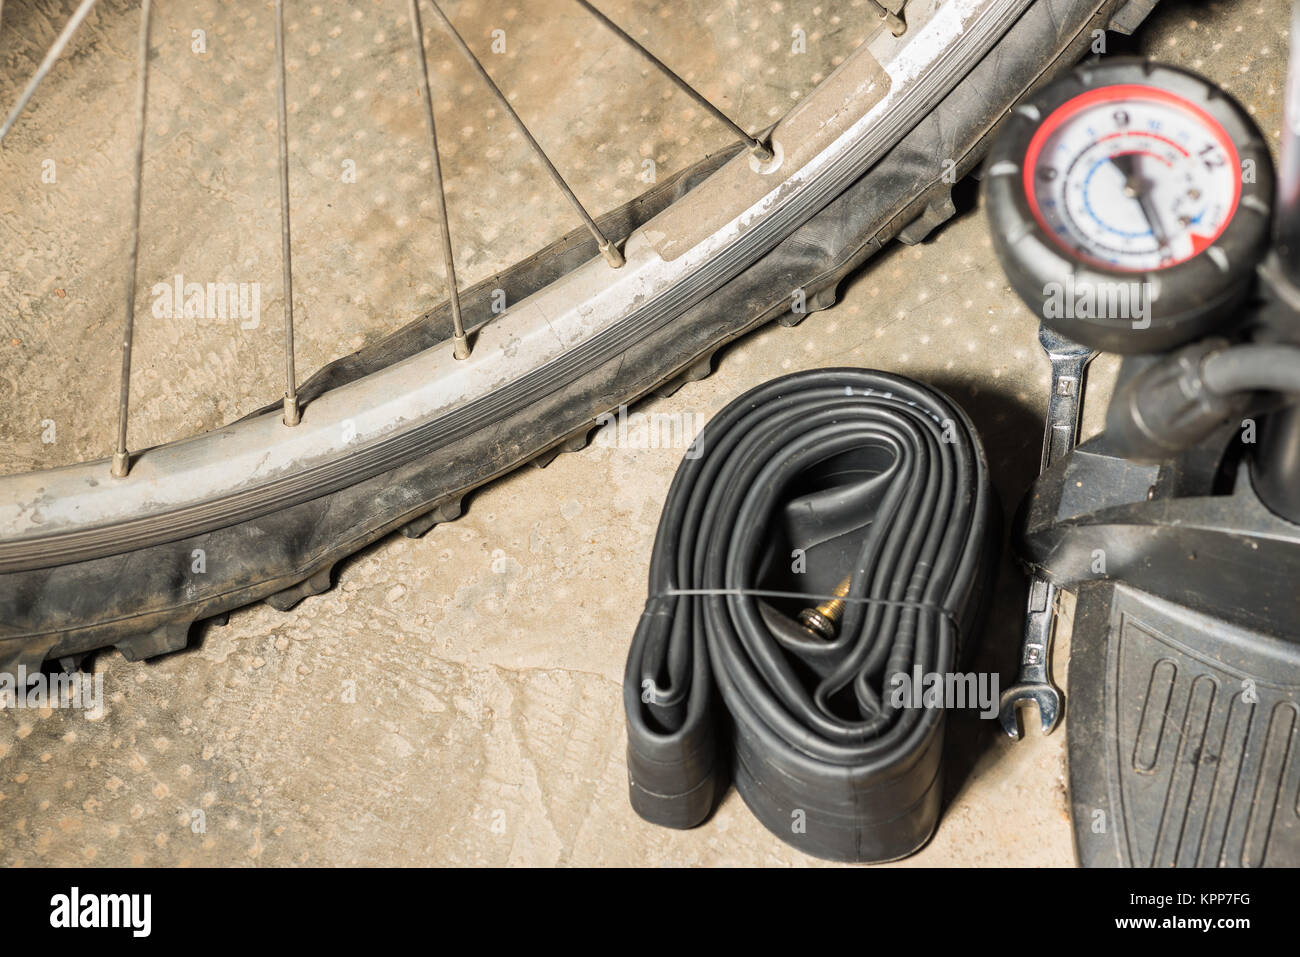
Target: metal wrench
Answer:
[[1069, 362]]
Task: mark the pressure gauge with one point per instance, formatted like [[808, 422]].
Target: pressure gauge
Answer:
[[1130, 205]]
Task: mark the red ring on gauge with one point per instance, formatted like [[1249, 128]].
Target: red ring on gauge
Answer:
[[1123, 93]]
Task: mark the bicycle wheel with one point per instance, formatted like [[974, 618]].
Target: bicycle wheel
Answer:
[[394, 436]]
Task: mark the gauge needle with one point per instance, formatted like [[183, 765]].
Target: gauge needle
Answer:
[[1137, 187]]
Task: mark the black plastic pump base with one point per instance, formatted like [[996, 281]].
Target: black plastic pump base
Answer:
[[1187, 743], [1184, 723]]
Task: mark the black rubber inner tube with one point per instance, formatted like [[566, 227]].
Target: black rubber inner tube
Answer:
[[831, 473]]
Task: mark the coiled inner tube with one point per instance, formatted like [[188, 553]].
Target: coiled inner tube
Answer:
[[880, 479]]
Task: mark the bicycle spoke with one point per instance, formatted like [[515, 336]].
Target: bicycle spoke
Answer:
[[51, 55], [756, 146], [460, 342], [292, 414], [122, 458], [607, 248]]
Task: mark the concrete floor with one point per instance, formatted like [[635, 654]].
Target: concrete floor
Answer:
[[454, 700]]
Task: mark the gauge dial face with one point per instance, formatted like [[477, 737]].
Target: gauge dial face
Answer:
[[1132, 178]]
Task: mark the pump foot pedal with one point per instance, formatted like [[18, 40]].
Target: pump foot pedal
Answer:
[[1184, 737]]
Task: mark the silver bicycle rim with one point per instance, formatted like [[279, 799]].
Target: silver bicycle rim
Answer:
[[258, 465]]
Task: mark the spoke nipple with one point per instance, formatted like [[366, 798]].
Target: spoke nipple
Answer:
[[896, 24], [760, 151], [292, 414], [121, 464], [611, 254], [460, 346]]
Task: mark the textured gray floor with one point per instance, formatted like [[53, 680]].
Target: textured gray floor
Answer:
[[454, 699]]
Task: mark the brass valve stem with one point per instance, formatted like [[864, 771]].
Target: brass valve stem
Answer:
[[824, 619]]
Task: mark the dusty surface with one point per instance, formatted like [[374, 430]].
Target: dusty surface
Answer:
[[454, 699], [366, 252]]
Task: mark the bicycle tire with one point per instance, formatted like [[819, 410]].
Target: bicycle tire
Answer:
[[143, 600]]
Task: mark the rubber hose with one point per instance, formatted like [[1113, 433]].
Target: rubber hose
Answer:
[[717, 685], [1252, 367]]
